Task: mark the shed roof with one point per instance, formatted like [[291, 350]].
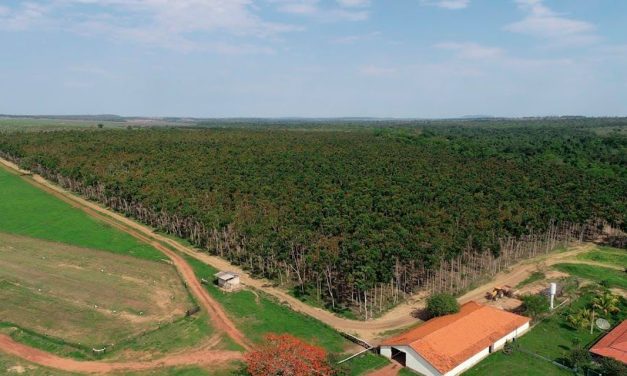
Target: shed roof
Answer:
[[613, 344], [446, 342], [225, 275]]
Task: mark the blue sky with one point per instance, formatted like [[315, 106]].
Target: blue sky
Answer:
[[314, 58]]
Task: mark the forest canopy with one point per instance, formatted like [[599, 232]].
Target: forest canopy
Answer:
[[336, 207]]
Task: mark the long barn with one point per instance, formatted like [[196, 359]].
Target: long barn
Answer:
[[450, 345]]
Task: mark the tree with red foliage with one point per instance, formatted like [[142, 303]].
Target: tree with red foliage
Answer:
[[285, 355]]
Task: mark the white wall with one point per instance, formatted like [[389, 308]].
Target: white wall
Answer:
[[420, 365], [413, 360], [469, 363]]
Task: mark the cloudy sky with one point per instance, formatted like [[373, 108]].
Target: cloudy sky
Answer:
[[314, 58]]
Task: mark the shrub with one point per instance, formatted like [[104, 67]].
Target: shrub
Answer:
[[534, 305], [611, 367], [578, 357], [442, 304]]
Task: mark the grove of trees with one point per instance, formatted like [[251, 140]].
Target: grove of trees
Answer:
[[352, 217]]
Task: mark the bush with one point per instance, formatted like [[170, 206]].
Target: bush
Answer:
[[578, 357], [442, 304], [611, 367], [535, 305]]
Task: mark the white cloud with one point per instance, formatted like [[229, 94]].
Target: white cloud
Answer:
[[345, 10], [542, 22], [163, 23], [350, 39], [22, 17], [354, 3], [469, 50], [448, 4], [376, 71]]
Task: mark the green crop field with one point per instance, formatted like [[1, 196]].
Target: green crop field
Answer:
[[613, 277], [27, 210]]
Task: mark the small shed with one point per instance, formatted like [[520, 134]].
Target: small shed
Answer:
[[228, 281]]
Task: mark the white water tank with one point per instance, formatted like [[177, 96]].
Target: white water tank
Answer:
[[553, 288]]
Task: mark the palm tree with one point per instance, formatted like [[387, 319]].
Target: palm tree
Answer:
[[580, 318], [606, 303]]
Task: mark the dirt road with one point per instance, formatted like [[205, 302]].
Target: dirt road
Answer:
[[219, 319], [522, 270], [399, 317], [390, 370], [198, 357]]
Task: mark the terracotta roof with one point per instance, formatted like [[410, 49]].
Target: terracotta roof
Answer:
[[614, 344], [446, 342]]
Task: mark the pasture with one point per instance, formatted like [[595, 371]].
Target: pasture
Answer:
[[29, 211], [85, 296], [606, 255], [610, 277]]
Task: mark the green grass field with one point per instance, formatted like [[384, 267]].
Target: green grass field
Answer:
[[535, 276], [366, 363], [516, 364], [256, 314], [40, 124], [614, 278], [73, 275], [606, 255], [29, 211]]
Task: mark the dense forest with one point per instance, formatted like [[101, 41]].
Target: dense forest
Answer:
[[337, 211]]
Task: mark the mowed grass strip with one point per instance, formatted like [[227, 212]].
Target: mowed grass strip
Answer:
[[27, 210], [366, 363], [515, 364], [613, 277], [606, 255]]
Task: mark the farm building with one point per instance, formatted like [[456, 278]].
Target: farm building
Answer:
[[613, 344], [449, 345], [228, 280]]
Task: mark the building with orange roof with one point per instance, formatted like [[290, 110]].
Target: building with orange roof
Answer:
[[451, 344], [613, 344]]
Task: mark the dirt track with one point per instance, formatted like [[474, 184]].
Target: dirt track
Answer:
[[197, 357], [399, 317], [219, 319], [524, 269]]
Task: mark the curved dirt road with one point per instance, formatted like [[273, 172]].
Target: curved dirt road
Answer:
[[197, 357], [219, 319], [204, 356], [396, 318]]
